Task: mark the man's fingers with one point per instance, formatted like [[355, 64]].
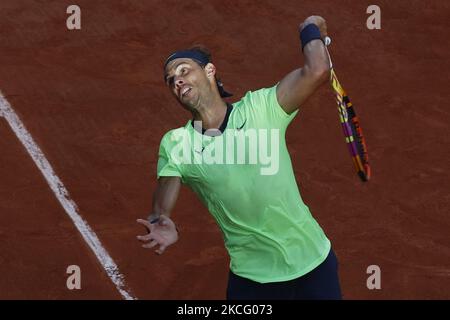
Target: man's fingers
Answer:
[[161, 249], [153, 243], [145, 238], [145, 223], [150, 245], [151, 236], [156, 233]]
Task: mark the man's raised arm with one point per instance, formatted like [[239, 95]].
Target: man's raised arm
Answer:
[[297, 86]]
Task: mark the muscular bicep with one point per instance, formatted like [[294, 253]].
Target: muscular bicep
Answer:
[[166, 195], [296, 87]]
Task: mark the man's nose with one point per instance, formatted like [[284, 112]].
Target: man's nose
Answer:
[[179, 83]]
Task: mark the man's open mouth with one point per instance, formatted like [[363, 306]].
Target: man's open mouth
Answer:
[[185, 92]]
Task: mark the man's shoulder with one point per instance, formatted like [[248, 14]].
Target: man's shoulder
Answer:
[[255, 96], [174, 135]]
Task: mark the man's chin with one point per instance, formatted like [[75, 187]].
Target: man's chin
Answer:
[[188, 104]]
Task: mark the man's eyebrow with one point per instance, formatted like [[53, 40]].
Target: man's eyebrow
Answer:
[[174, 67]]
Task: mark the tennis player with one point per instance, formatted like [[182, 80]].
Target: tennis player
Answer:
[[277, 249]]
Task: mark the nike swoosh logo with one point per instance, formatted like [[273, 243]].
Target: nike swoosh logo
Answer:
[[200, 152], [242, 125]]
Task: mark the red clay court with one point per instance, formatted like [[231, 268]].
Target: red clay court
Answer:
[[94, 102]]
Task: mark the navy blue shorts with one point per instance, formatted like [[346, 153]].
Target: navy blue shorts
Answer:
[[322, 283]]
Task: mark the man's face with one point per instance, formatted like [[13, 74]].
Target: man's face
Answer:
[[186, 80]]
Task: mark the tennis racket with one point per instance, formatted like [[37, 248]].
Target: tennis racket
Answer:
[[350, 125]]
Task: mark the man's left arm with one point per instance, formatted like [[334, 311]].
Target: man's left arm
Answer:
[[295, 88]]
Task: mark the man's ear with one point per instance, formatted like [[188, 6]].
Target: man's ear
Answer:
[[210, 70]]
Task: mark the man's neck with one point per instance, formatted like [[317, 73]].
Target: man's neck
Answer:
[[211, 113]]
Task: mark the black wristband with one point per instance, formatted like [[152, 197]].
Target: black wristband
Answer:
[[155, 220], [309, 33]]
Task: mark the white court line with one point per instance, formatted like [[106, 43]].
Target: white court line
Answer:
[[63, 197]]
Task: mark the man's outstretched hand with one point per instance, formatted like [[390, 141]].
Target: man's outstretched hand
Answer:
[[163, 233]]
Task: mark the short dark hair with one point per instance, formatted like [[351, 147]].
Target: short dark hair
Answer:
[[203, 50]]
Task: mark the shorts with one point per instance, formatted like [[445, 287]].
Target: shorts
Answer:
[[322, 283]]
